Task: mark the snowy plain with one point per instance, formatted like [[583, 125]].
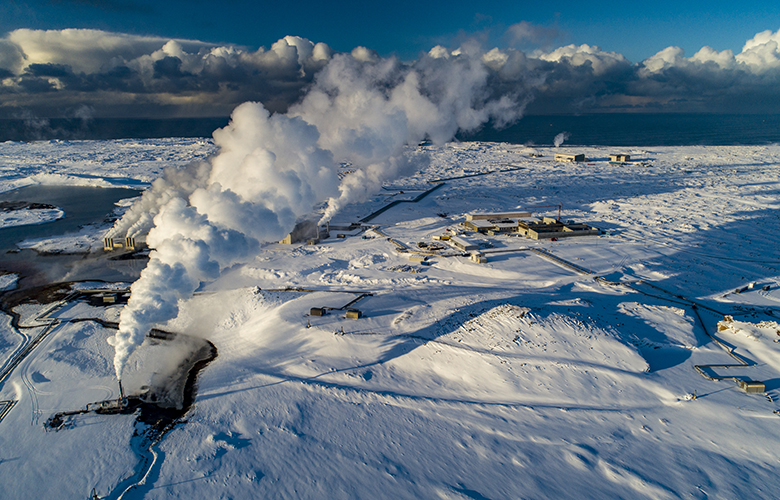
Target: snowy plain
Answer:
[[518, 378]]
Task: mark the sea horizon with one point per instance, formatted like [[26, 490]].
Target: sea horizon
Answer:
[[595, 129]]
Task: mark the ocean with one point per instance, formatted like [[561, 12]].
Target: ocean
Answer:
[[107, 128], [597, 129], [639, 130]]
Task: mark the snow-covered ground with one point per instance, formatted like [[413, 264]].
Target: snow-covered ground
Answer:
[[27, 216], [122, 163], [518, 378]]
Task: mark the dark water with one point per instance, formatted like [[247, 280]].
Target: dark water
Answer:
[[601, 129], [639, 130], [108, 128], [82, 205]]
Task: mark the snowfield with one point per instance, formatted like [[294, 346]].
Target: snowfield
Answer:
[[558, 369]]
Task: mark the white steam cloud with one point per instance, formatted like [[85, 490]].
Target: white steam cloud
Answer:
[[561, 138], [271, 170]]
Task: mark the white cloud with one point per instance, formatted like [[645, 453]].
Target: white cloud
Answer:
[[85, 50], [439, 52], [724, 59], [668, 57], [759, 55], [579, 55], [762, 52], [364, 54]]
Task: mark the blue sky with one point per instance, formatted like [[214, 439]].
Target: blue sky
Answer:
[[635, 29]]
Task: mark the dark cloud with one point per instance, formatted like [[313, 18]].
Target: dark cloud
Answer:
[[118, 74], [48, 69], [168, 67]]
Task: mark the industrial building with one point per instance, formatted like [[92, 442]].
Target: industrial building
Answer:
[[479, 225], [497, 215], [549, 227], [478, 257], [569, 158], [128, 243], [494, 223], [619, 158], [306, 231], [463, 244]]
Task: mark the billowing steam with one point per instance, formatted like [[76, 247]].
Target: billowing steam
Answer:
[[272, 170], [561, 138]]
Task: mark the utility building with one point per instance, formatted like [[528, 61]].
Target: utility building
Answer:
[[304, 231], [569, 158], [479, 225], [494, 223], [549, 227], [497, 215], [619, 158], [478, 257], [110, 244], [463, 244]]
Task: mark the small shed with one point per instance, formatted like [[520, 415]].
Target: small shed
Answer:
[[752, 386], [619, 158], [478, 257], [571, 158]]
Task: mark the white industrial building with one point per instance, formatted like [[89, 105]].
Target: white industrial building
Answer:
[[619, 158], [463, 244], [128, 243], [569, 157]]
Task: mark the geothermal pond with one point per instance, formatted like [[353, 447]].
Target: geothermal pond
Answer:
[[82, 206]]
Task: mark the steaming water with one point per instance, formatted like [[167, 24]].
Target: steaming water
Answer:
[[82, 205]]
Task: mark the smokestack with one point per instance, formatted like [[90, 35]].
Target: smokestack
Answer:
[[121, 392]]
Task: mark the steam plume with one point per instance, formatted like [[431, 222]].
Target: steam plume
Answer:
[[560, 138], [273, 169]]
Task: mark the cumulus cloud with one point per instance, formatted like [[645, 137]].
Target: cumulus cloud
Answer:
[[712, 80], [586, 78], [598, 60], [118, 74]]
